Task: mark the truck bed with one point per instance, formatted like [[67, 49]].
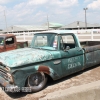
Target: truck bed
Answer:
[[89, 43], [90, 46], [22, 44]]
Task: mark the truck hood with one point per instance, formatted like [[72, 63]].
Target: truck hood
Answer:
[[25, 56]]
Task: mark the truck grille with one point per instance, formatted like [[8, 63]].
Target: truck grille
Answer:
[[3, 73]]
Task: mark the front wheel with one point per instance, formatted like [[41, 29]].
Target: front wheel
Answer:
[[37, 81]]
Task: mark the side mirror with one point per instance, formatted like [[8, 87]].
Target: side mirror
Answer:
[[67, 48]]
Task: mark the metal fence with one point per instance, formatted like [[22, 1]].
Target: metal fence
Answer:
[[83, 35]]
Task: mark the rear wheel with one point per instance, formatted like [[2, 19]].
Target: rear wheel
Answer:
[[37, 81]]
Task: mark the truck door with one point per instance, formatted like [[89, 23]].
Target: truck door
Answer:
[[72, 54], [10, 43], [2, 44]]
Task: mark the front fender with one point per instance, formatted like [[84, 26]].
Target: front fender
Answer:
[[19, 77], [47, 70]]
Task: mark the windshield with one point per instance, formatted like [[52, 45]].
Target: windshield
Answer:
[[1, 41], [45, 41]]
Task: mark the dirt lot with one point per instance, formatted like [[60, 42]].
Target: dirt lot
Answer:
[[80, 78]]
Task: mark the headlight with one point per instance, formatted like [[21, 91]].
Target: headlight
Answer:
[[10, 78], [4, 67], [7, 68]]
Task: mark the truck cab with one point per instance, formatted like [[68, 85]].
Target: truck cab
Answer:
[[9, 42], [70, 55]]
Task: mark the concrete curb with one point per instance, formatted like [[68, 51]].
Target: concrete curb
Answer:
[[89, 91]]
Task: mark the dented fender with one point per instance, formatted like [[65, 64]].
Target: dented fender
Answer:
[[47, 70]]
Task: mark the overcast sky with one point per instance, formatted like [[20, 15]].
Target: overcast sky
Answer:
[[34, 12]]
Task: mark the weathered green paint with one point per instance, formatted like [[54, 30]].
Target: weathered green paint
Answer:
[[49, 57]]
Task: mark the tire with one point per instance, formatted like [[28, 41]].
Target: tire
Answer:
[[37, 81]]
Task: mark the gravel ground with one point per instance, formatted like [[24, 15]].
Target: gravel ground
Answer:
[[80, 78]]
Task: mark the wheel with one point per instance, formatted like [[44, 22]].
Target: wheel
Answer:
[[37, 81]]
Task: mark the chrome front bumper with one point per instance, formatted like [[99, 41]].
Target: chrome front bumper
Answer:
[[7, 87]]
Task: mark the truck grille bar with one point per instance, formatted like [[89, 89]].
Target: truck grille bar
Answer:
[[3, 73]]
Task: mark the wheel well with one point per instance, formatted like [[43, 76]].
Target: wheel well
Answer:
[[26, 81], [48, 76]]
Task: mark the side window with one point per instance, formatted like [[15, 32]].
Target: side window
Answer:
[[10, 41], [1, 41], [40, 41], [67, 42]]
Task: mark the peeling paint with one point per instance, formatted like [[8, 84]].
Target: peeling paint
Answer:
[[44, 69], [18, 57]]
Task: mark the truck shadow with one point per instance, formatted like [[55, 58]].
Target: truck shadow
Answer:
[[16, 95], [50, 83]]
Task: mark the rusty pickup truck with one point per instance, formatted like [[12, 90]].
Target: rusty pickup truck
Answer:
[[54, 54], [9, 42]]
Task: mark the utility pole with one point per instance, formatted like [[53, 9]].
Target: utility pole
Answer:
[[5, 21], [48, 22], [85, 17]]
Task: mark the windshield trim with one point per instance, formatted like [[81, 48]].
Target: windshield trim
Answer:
[[32, 45]]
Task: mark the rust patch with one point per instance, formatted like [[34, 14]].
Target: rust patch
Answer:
[[22, 44], [7, 35], [44, 69], [3, 83]]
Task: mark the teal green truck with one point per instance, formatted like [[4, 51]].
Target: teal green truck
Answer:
[[55, 54]]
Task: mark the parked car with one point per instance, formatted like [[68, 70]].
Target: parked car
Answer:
[[55, 53], [9, 42]]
